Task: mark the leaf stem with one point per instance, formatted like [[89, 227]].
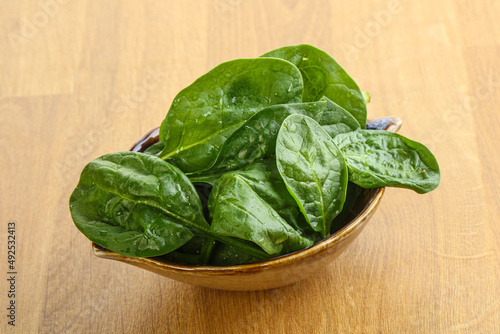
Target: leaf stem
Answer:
[[210, 179], [206, 250]]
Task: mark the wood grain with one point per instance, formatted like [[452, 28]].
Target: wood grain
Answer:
[[79, 79]]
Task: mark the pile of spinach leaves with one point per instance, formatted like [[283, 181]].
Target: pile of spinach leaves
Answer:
[[276, 147]]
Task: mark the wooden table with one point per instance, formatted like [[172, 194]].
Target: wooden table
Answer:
[[79, 79]]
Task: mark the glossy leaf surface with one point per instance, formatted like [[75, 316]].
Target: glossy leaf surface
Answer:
[[136, 205], [265, 180], [256, 139], [323, 76], [313, 169], [378, 158], [203, 115], [245, 204], [155, 149], [336, 120]]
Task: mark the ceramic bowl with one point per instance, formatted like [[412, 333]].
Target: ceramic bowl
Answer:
[[276, 272]]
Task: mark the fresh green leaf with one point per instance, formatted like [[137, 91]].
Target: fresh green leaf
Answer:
[[265, 180], [242, 206], [378, 158], [323, 76], [337, 120], [205, 179], [155, 149], [313, 169], [206, 113], [136, 205], [206, 251], [256, 139], [139, 205], [270, 122]]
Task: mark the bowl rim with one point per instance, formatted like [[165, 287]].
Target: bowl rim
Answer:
[[392, 124]]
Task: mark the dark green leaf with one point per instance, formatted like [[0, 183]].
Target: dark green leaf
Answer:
[[256, 139], [337, 120], [206, 113], [264, 179], [208, 179], [313, 169], [243, 208], [379, 158], [193, 246], [323, 76], [139, 205], [155, 149], [136, 205]]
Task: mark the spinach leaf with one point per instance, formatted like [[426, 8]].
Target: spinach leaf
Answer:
[[313, 169], [337, 120], [139, 205], [323, 76], [256, 139], [265, 180], [244, 204], [155, 149], [378, 158], [136, 205], [204, 179], [203, 115], [289, 126]]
